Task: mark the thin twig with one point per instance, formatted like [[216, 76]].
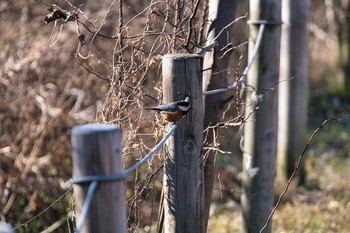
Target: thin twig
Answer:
[[296, 169], [46, 209], [217, 149], [190, 22], [229, 25]]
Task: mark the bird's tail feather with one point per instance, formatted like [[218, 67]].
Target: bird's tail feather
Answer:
[[152, 108]]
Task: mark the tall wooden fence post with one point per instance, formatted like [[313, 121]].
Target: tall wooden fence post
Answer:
[[183, 176], [260, 130], [97, 151], [293, 94]]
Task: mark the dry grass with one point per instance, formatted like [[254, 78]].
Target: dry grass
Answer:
[[321, 205], [44, 93]]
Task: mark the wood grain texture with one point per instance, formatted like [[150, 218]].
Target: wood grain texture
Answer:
[[183, 176], [97, 151], [260, 130]]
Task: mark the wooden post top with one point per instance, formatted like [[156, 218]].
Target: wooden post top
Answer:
[[94, 128]]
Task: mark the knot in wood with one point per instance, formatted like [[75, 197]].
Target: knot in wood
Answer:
[[190, 147]]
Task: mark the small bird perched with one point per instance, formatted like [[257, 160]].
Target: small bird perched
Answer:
[[173, 111]]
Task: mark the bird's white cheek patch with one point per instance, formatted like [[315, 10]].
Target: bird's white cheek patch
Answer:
[[183, 108]]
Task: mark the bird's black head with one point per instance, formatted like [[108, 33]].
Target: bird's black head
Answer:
[[184, 105]]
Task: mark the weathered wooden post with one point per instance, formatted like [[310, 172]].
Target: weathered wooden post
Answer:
[[293, 94], [183, 176], [97, 151], [260, 130]]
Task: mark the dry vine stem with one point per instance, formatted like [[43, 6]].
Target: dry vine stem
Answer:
[[119, 48]]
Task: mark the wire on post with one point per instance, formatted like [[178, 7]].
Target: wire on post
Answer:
[[86, 206], [124, 174], [94, 180], [243, 78], [153, 151]]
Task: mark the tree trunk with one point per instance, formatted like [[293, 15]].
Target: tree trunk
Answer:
[[221, 13]]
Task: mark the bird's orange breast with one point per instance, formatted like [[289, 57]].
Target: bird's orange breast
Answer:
[[172, 116]]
